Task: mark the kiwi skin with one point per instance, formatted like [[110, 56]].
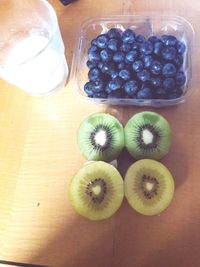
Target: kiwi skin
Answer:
[[157, 121]]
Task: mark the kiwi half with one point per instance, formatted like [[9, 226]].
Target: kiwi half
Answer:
[[149, 187], [96, 191], [147, 135], [101, 137]]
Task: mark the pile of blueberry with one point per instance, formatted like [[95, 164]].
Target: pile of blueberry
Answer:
[[125, 65]]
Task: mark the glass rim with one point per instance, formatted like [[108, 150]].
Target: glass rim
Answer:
[[53, 17]]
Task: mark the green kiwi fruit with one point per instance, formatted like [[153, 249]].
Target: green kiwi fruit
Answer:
[[148, 186], [97, 190], [101, 137], [147, 135]]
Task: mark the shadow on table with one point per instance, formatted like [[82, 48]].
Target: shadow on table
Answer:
[[80, 243]]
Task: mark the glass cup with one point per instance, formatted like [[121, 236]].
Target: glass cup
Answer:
[[31, 47]]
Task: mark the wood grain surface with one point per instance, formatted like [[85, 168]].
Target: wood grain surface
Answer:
[[39, 155]]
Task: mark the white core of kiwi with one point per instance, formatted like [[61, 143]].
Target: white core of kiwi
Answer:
[[147, 136], [96, 189], [100, 137], [149, 186]]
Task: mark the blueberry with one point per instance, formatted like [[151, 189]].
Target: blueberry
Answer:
[[180, 78], [143, 75], [100, 95], [93, 55], [158, 46], [140, 38], [156, 81], [169, 70], [93, 48], [135, 46], [131, 56], [169, 53], [131, 87], [180, 46], [115, 84], [114, 74], [97, 86], [178, 61], [100, 65], [128, 36], [127, 66], [106, 55], [147, 61], [169, 85], [160, 93], [128, 63], [113, 44], [114, 33], [145, 84], [144, 93], [137, 66], [163, 38], [118, 57], [125, 47], [125, 74], [146, 48], [122, 65], [102, 41], [94, 42], [94, 74], [169, 40], [88, 89], [156, 67], [107, 89], [115, 94], [176, 94], [92, 64], [153, 39], [107, 67]]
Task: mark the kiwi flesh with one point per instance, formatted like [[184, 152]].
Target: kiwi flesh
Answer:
[[148, 187], [96, 190], [147, 135], [101, 137]]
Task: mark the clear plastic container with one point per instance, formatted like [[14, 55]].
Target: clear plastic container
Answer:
[[142, 24]]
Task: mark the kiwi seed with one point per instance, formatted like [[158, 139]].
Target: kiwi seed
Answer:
[[149, 186], [96, 190], [101, 137]]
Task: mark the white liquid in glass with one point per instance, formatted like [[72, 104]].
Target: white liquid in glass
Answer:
[[35, 66]]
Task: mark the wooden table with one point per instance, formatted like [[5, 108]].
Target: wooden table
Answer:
[[39, 155]]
